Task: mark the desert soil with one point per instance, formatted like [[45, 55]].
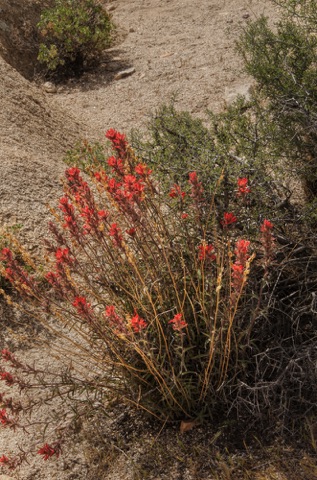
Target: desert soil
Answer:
[[177, 47]]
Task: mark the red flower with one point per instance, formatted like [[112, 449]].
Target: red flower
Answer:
[[7, 377], [101, 176], [206, 252], [3, 417], [62, 256], [52, 278], [102, 214], [266, 226], [176, 191], [131, 231], [118, 140], [243, 188], [177, 322], [228, 219], [142, 170], [113, 186], [197, 189], [184, 216], [114, 319], [82, 307], [241, 251], [6, 255], [267, 240], [69, 216], [137, 323], [7, 355], [133, 188], [115, 232], [116, 164], [48, 451], [4, 460], [238, 269], [73, 173]]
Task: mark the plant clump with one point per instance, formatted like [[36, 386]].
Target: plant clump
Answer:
[[72, 34], [168, 303]]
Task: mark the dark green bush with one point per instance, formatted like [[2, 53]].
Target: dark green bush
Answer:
[[73, 33], [283, 62]]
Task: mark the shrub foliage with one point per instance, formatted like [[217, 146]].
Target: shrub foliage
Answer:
[[282, 59], [73, 33]]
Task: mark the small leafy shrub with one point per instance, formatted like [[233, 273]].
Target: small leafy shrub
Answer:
[[166, 302], [283, 62], [73, 33], [242, 141]]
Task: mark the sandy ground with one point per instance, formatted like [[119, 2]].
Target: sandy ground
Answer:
[[177, 47]]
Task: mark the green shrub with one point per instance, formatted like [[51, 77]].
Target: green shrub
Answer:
[[283, 62], [242, 141], [73, 33]]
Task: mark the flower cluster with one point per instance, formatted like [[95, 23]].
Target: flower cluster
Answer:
[[243, 187], [176, 192], [48, 451], [267, 240], [177, 322], [119, 142], [228, 219], [137, 323], [238, 269], [206, 252], [196, 187]]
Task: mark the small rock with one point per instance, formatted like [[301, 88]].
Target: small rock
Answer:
[[111, 8], [49, 87], [246, 15], [124, 73], [131, 30]]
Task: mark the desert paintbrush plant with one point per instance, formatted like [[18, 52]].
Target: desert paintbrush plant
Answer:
[[151, 290]]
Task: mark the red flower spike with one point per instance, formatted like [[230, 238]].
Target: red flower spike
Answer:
[[142, 170], [4, 460], [7, 378], [238, 269], [48, 451], [6, 255], [115, 232], [206, 252], [116, 164], [7, 355], [196, 186], [62, 256], [131, 231], [103, 215], [177, 322], [228, 219], [137, 323], [118, 140], [83, 308], [4, 418], [243, 187], [267, 240], [266, 226], [176, 192], [241, 251], [115, 321]]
